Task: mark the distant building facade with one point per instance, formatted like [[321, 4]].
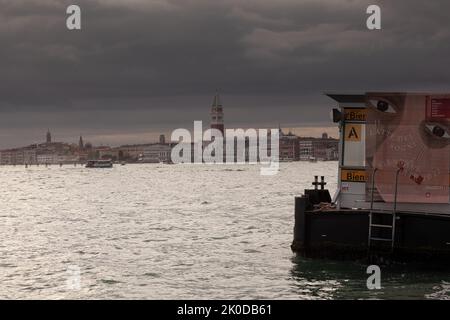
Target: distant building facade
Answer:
[[158, 152], [325, 148], [289, 147]]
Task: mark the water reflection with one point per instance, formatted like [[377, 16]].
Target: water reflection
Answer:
[[325, 279]]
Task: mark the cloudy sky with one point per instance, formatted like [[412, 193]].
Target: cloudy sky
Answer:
[[141, 67]]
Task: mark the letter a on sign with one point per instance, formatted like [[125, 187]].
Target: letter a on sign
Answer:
[[353, 132], [374, 20], [73, 21]]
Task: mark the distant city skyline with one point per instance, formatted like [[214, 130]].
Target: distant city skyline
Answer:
[[290, 147], [117, 139]]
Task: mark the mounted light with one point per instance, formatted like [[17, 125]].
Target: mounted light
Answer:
[[336, 115]]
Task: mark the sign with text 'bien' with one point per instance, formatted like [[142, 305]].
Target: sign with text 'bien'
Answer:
[[355, 114], [349, 175]]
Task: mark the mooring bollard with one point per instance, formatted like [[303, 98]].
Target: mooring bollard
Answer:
[[316, 182], [322, 183], [316, 195]]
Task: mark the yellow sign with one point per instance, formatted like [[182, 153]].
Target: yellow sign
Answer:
[[353, 132], [349, 175], [355, 114], [353, 175]]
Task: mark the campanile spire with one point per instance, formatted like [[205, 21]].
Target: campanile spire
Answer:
[[217, 114], [48, 137]]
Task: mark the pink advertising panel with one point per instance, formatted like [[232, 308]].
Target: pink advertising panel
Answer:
[[410, 132]]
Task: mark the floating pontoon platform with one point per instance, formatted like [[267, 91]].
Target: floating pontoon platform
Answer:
[[392, 201], [343, 234]]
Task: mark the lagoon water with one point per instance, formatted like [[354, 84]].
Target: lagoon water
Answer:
[[174, 232]]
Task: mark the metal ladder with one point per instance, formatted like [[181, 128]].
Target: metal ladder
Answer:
[[391, 226]]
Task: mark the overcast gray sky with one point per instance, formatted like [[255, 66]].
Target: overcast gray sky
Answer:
[[140, 67]]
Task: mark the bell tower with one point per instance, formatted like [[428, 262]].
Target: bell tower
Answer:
[[217, 114], [48, 136]]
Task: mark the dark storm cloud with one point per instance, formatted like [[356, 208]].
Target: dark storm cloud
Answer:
[[276, 57]]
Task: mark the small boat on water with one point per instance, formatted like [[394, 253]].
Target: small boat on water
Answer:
[[99, 164]]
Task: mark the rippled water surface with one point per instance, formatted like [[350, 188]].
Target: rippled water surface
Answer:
[[173, 232]]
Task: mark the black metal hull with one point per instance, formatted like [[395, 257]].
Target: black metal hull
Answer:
[[343, 234]]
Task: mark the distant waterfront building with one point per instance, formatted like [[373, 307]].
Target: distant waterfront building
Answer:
[[162, 139], [142, 153], [217, 114], [295, 148], [46, 158], [106, 152], [81, 143], [325, 148], [49, 136], [26, 155], [131, 152], [157, 152], [306, 148], [8, 157], [29, 155], [289, 148]]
